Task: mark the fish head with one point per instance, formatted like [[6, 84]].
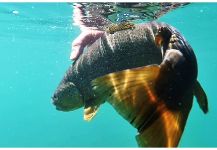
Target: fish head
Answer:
[[67, 97]]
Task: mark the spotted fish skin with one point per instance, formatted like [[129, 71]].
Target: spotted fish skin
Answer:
[[149, 76], [156, 99], [118, 27], [115, 52]]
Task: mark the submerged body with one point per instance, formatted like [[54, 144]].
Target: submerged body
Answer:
[[114, 52], [148, 74]]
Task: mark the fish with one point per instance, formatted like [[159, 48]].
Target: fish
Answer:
[[148, 74]]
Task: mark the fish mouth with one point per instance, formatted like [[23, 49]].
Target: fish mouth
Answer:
[[67, 97], [63, 108], [55, 100], [59, 106]]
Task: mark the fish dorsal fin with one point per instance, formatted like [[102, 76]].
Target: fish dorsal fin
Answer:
[[132, 93], [201, 97]]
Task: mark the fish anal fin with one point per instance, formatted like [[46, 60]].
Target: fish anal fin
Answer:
[[201, 97]]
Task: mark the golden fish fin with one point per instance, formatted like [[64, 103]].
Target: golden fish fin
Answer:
[[201, 97], [130, 92], [90, 112], [165, 127]]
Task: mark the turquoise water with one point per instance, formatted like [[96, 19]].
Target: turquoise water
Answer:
[[35, 41]]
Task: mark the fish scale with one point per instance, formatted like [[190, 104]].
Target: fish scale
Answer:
[[148, 75], [108, 56]]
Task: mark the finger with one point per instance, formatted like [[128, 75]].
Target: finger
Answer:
[[84, 39], [75, 53]]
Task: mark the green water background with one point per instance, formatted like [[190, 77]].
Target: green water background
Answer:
[[35, 41]]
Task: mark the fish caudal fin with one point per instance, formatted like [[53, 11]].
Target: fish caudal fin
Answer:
[[132, 93], [201, 97]]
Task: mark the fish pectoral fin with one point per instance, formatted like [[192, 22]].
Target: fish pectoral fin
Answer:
[[201, 97], [90, 112], [132, 94]]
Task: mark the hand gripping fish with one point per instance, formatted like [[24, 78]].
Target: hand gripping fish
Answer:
[[148, 74]]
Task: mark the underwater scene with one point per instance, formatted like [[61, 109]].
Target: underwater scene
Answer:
[[51, 97]]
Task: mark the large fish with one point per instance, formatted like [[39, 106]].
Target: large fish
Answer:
[[147, 73]]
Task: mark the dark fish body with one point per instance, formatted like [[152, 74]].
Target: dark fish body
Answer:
[[115, 52], [148, 74]]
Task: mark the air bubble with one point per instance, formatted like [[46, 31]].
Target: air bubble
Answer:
[[15, 12]]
